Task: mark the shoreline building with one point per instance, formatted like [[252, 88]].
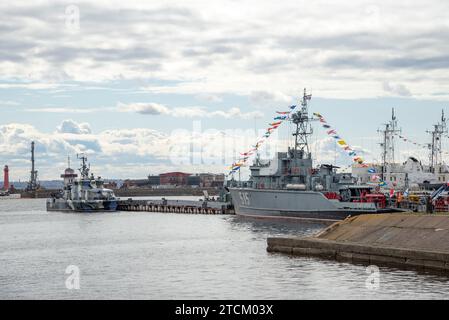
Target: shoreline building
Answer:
[[174, 178], [210, 180]]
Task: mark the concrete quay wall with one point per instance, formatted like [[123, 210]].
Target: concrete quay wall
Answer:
[[403, 240]]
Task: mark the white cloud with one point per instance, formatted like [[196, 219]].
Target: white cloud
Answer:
[[186, 112], [70, 126], [264, 50], [327, 151], [144, 108], [65, 110], [396, 89], [241, 48], [31, 86], [209, 97], [190, 112], [269, 98], [8, 103], [120, 153], [236, 113], [125, 153]]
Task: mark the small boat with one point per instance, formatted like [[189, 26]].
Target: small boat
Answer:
[[85, 194], [5, 195]]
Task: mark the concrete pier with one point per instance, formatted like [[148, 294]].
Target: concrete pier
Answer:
[[176, 206], [402, 240]]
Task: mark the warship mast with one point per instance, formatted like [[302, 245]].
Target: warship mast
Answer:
[[84, 170], [303, 129], [436, 154], [388, 147]]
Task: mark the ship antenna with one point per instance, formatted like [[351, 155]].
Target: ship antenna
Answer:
[[436, 152], [303, 128], [389, 132], [84, 170]]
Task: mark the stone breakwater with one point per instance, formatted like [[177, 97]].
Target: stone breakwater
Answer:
[[402, 240]]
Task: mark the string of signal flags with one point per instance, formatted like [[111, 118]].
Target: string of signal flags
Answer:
[[420, 145], [331, 132], [282, 116]]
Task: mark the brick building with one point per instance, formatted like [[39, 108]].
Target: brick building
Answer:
[[174, 178]]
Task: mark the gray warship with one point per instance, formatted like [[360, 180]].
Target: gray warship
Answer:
[[289, 186], [85, 194]]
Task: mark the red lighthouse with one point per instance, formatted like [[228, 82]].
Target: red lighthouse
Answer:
[[6, 178]]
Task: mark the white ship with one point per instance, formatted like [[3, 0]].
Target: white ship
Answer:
[[411, 174], [85, 194]]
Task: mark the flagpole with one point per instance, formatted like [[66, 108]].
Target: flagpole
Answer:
[[335, 153], [240, 182]]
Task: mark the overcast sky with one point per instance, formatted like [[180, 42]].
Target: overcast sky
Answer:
[[138, 86]]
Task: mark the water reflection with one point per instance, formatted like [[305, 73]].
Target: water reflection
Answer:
[[274, 227]]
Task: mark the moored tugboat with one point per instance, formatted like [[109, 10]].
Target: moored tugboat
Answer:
[[85, 194]]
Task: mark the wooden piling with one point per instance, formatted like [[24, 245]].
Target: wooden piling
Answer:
[[181, 207]]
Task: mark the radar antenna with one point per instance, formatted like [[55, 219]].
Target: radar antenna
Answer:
[[303, 128], [84, 170], [436, 152], [389, 132]]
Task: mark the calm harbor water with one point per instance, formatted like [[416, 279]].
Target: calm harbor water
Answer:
[[142, 255]]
